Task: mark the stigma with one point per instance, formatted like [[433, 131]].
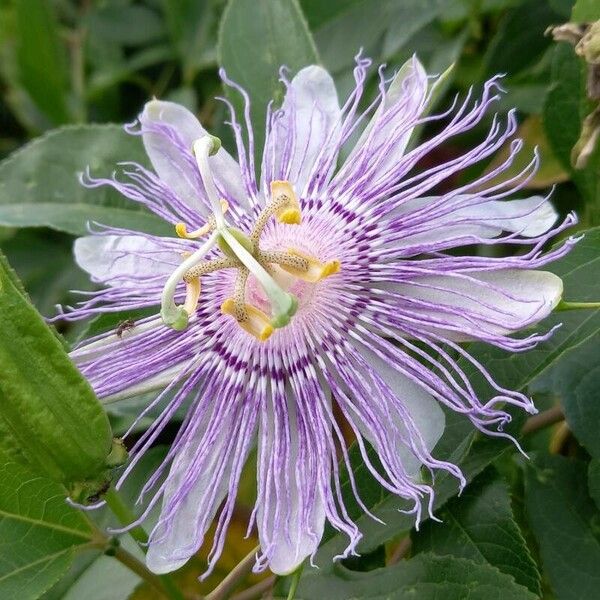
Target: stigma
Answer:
[[242, 252]]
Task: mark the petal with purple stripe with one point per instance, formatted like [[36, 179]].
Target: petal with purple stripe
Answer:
[[308, 122], [291, 512], [478, 303]]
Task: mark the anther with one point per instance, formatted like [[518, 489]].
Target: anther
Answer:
[[301, 265], [208, 227], [283, 205]]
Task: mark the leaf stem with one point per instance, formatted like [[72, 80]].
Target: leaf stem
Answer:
[[562, 306], [234, 577], [401, 551]]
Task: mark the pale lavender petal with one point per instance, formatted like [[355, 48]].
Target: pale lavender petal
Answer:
[[124, 259], [307, 124], [169, 131]]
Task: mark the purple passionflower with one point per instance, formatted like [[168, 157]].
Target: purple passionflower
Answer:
[[325, 281]]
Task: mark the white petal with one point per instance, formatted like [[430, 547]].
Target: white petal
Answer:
[[113, 259], [529, 217], [310, 114], [408, 87], [423, 409], [287, 552], [170, 549], [177, 170], [512, 298]]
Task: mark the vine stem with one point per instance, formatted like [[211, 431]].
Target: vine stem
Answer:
[[257, 590], [125, 517], [234, 577], [544, 419]]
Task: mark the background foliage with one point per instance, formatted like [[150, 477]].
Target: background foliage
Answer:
[[69, 71]]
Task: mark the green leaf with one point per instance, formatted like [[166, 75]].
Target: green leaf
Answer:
[[564, 110], [44, 261], [89, 569], [49, 409], [574, 378], [585, 10], [41, 59], [575, 381], [39, 184], [39, 533], [594, 480], [126, 25], [480, 526], [564, 521], [424, 577], [192, 27], [380, 28], [257, 37], [519, 41]]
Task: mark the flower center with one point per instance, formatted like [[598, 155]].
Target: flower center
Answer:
[[267, 283]]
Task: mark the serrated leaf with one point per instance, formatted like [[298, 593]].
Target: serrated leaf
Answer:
[[480, 526], [562, 515], [424, 577], [39, 532], [39, 184], [256, 38], [50, 410]]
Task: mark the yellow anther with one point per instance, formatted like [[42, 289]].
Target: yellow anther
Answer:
[[316, 269], [290, 216], [192, 295], [254, 321], [182, 232], [288, 207]]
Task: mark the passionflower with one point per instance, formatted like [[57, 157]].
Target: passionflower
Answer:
[[334, 287]]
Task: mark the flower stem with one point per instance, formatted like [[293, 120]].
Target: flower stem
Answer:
[[125, 517], [562, 305], [137, 567], [233, 579], [295, 581]]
